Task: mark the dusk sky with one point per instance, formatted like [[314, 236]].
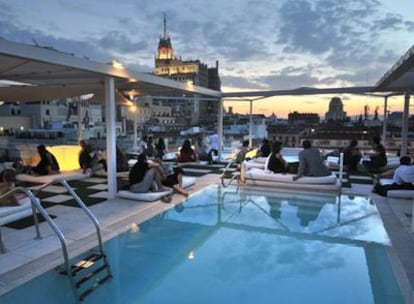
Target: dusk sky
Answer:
[[260, 45]]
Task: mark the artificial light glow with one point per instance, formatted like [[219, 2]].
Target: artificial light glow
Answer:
[[132, 80], [117, 64], [86, 96], [21, 128], [191, 255], [1, 102], [134, 108], [134, 228]]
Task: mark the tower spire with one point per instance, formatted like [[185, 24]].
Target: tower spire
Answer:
[[165, 26]]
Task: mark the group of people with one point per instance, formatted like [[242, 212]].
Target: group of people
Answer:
[[205, 149], [377, 160], [154, 176]]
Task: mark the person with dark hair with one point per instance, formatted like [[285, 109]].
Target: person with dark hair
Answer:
[[187, 153], [171, 177], [143, 177], [265, 149], [160, 147], [310, 162], [47, 164], [378, 159], [85, 158], [276, 163], [403, 178], [241, 155], [7, 180], [352, 156]]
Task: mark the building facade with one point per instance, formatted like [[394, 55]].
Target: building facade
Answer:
[[196, 110]]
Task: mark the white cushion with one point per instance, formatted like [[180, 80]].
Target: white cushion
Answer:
[[401, 193], [44, 179], [260, 174], [154, 196], [14, 213], [146, 197]]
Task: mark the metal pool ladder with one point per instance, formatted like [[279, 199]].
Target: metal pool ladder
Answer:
[[93, 269]]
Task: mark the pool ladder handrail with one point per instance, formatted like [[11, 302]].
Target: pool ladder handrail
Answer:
[[36, 205], [61, 237], [234, 176]]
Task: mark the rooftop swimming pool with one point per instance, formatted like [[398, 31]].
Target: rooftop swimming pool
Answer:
[[230, 245]]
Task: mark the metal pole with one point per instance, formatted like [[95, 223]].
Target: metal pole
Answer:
[[384, 124], [404, 130], [110, 135], [251, 125], [220, 128]]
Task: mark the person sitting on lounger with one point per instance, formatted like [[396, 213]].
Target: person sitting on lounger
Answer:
[[143, 177], [276, 163], [171, 177], [352, 156], [7, 180], [187, 153], [310, 162], [378, 159], [403, 178], [47, 164]]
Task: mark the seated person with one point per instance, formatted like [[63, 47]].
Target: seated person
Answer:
[[241, 155], [265, 149], [47, 164], [121, 160], [352, 156], [171, 177], [187, 153], [143, 176], [7, 179], [403, 178], [378, 159], [276, 162], [310, 162], [85, 158]]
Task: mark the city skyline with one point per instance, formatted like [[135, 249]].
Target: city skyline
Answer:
[[260, 45]]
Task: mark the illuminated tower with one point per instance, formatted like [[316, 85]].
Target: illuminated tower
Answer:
[[190, 72], [165, 50]]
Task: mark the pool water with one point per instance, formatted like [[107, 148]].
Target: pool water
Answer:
[[229, 245]]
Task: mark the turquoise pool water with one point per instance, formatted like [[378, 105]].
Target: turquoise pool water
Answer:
[[241, 246]]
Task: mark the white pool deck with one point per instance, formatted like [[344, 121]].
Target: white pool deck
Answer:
[[27, 257]]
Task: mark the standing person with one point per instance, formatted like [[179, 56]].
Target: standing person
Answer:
[[143, 177], [171, 177], [47, 164], [187, 153], [352, 156], [277, 163], [160, 148], [214, 142], [378, 159], [150, 147], [310, 162], [202, 149]]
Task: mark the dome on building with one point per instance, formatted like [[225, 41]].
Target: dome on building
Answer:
[[336, 110]]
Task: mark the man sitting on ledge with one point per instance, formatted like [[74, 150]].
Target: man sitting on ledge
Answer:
[[310, 162], [403, 178]]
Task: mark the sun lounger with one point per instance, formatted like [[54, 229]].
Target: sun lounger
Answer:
[[44, 179], [154, 196], [13, 213], [253, 172]]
